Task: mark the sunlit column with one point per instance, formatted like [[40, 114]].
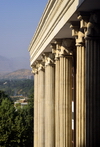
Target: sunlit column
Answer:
[[80, 86], [55, 51], [80, 97], [35, 129], [41, 105], [68, 102], [49, 101], [65, 95], [57, 92]]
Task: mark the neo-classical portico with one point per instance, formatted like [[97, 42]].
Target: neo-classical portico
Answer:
[[65, 60]]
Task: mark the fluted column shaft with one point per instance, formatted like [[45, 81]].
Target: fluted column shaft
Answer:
[[62, 101], [92, 43], [80, 124], [65, 101], [80, 98], [41, 110], [93, 91], [49, 106], [68, 101], [57, 103], [63, 92], [36, 110]]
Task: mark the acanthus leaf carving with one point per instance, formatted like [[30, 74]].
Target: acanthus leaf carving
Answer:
[[48, 58], [93, 26]]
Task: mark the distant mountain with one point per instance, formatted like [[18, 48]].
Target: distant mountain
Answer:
[[20, 63], [12, 64], [19, 74], [5, 65]]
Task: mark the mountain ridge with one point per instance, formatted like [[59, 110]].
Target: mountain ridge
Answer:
[[18, 74]]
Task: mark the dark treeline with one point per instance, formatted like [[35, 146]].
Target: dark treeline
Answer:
[[17, 87], [16, 125]]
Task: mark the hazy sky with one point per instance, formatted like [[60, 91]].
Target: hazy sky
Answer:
[[18, 22]]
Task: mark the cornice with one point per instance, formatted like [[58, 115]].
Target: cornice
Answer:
[[42, 20], [52, 16], [50, 5]]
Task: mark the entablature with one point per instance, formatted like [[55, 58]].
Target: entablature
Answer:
[[55, 24]]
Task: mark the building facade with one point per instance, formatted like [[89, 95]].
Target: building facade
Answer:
[[65, 60]]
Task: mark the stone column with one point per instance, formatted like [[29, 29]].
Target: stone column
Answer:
[[92, 37], [57, 92], [62, 101], [80, 95], [41, 105], [65, 94], [49, 101], [35, 134], [80, 88], [55, 50]]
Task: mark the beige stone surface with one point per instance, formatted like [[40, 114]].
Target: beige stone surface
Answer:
[[36, 110], [41, 108], [49, 106], [57, 103], [65, 102]]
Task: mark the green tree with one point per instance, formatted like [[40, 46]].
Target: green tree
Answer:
[[2, 96], [24, 133], [16, 126], [7, 127], [16, 87], [24, 125]]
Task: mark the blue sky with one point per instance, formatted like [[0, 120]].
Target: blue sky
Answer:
[[18, 22]]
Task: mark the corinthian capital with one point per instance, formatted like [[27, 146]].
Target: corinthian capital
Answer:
[[83, 17], [75, 28], [93, 26], [34, 69], [80, 38], [58, 43], [40, 65], [78, 32], [53, 47], [48, 58], [55, 50], [68, 45]]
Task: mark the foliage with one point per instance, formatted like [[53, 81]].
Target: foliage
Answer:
[[17, 87], [3, 95], [16, 127], [7, 127]]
